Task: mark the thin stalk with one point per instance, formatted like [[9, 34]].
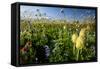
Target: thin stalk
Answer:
[[74, 49], [77, 56]]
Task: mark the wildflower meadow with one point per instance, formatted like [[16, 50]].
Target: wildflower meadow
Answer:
[[56, 38]]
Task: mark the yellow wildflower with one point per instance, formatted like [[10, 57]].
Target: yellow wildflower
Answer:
[[64, 27], [74, 37], [79, 43], [82, 32]]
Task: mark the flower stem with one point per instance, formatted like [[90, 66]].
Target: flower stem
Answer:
[[77, 57], [74, 49]]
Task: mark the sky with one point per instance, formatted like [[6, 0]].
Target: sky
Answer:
[[55, 12]]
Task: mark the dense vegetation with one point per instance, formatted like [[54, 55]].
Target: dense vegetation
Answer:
[[67, 41]]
